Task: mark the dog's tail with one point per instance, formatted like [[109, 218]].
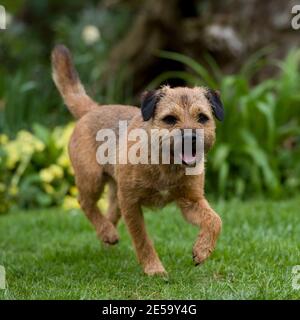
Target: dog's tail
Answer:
[[68, 83]]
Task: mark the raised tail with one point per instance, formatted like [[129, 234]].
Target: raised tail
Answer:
[[68, 83]]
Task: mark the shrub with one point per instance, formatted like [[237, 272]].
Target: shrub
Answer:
[[35, 169], [25, 70], [257, 150], [258, 145]]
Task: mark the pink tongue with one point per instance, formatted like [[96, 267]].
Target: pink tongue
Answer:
[[188, 158]]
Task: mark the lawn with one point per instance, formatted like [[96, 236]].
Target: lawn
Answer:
[[51, 254]]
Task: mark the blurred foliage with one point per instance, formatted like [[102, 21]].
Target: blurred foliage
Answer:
[[27, 93], [258, 145], [35, 170], [257, 150]]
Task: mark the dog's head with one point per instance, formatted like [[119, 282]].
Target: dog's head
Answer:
[[184, 108]]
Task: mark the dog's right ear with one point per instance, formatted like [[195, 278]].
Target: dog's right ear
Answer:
[[148, 103], [213, 97]]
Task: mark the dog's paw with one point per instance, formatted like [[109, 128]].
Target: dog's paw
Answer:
[[155, 270], [108, 234], [201, 254]]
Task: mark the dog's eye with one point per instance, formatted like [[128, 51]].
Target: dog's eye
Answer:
[[170, 119], [202, 118]]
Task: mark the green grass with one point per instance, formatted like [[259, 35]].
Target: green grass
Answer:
[[50, 254]]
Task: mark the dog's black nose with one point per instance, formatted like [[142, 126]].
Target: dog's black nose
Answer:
[[194, 137], [189, 140]]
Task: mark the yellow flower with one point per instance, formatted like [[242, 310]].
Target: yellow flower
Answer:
[[46, 175], [63, 161], [39, 146], [103, 201], [27, 149], [51, 173], [23, 146], [57, 171], [13, 154], [48, 188], [13, 190], [62, 135], [103, 204], [29, 143], [71, 170], [3, 139], [74, 191], [70, 203]]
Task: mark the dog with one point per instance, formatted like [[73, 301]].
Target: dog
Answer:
[[132, 186]]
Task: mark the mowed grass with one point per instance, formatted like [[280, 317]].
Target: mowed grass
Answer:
[[51, 254]]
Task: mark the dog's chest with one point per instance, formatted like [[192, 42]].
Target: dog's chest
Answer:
[[162, 190], [164, 193], [158, 197]]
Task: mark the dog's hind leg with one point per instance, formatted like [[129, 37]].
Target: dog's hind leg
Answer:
[[113, 212], [90, 189], [90, 180]]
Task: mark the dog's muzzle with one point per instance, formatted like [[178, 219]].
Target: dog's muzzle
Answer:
[[191, 149]]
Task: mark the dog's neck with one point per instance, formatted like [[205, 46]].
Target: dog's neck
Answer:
[[168, 175]]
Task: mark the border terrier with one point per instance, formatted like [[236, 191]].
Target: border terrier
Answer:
[[132, 186]]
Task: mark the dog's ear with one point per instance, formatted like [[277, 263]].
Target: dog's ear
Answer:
[[148, 103], [216, 104]]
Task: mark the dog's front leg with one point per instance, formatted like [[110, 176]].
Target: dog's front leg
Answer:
[[145, 251], [201, 214]]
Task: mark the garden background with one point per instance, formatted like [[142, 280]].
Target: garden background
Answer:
[[246, 49]]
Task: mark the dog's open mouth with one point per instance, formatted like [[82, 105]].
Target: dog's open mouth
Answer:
[[188, 155]]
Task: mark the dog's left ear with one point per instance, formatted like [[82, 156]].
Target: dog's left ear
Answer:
[[149, 102], [216, 104]]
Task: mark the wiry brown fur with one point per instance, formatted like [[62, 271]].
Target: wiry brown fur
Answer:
[[132, 186]]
